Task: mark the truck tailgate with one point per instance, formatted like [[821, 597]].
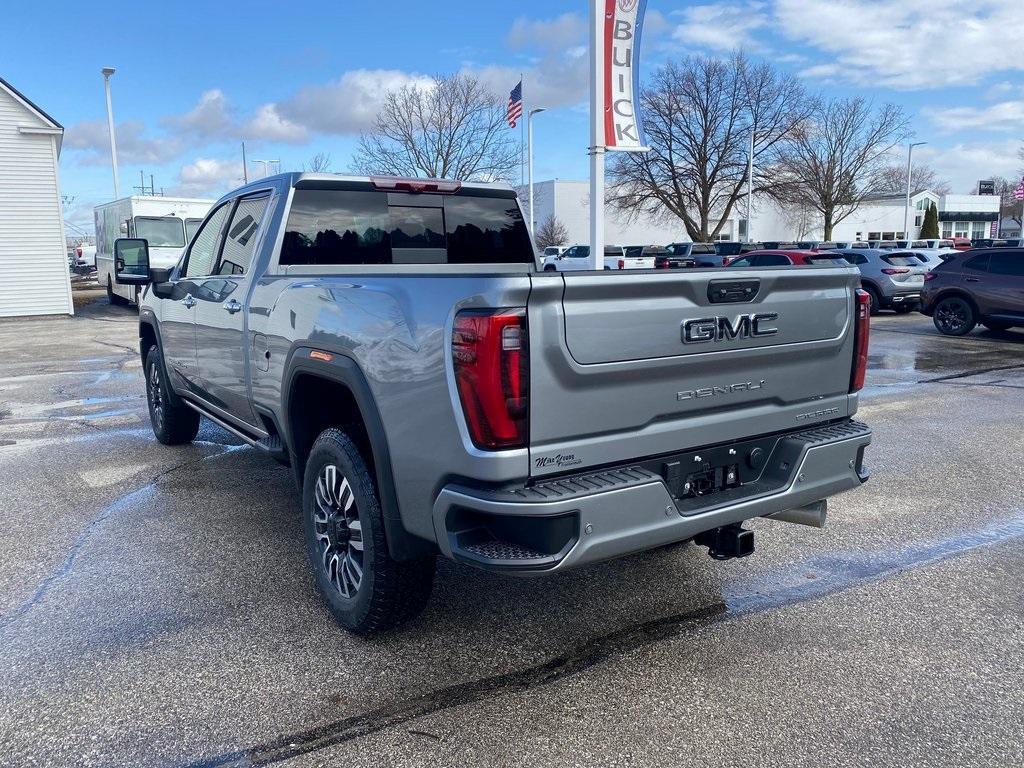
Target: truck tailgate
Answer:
[[631, 365]]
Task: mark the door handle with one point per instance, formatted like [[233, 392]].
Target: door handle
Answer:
[[188, 301], [232, 306], [972, 280]]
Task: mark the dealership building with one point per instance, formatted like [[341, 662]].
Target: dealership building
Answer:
[[878, 218]]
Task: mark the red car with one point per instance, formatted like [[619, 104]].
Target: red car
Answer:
[[770, 258], [962, 243]]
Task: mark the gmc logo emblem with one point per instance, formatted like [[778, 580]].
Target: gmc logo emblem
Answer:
[[724, 329]]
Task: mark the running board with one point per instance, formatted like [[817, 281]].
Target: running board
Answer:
[[271, 444]]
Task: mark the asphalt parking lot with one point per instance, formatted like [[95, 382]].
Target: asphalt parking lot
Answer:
[[155, 607]]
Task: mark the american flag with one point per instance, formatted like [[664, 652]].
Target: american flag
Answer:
[[515, 105], [1018, 193]]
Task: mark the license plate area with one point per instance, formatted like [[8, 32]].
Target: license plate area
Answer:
[[725, 474]]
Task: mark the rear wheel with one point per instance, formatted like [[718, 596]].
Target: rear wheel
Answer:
[[996, 325], [173, 424], [954, 316], [549, 268], [367, 590]]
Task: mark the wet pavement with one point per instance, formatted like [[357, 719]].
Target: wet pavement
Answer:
[[155, 607]]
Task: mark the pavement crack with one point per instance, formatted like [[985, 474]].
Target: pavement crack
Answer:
[[842, 575], [976, 372], [574, 661], [85, 535]]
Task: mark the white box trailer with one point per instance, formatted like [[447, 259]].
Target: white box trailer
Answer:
[[168, 223]]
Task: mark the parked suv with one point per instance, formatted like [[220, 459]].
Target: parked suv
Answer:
[[435, 393], [979, 286], [892, 278]]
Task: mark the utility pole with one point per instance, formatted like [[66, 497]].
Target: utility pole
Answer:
[[597, 148], [245, 168], [529, 161], [107, 72]]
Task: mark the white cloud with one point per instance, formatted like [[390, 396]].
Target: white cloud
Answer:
[[133, 147], [349, 104], [721, 26], [208, 177], [963, 164], [268, 124], [1002, 116], [209, 118], [906, 44], [561, 32]]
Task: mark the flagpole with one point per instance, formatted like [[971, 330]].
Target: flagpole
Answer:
[[596, 134], [522, 94]]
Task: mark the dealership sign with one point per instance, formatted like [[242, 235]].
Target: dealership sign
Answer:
[[623, 127]]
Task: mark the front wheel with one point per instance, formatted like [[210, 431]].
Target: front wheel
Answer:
[[173, 424], [366, 589], [954, 316], [112, 297]]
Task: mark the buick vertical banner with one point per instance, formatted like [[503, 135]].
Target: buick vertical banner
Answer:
[[623, 127]]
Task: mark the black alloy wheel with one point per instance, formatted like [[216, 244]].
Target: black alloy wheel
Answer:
[[954, 316]]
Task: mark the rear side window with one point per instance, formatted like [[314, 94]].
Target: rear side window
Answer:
[[977, 263], [902, 260], [771, 260], [240, 241], [347, 227], [1007, 263]]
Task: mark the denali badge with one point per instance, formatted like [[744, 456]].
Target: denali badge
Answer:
[[743, 386], [723, 329]]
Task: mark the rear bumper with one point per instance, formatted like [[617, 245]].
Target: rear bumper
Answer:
[[567, 522]]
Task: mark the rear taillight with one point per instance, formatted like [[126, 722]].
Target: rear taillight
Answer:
[[622, 263], [862, 329], [895, 271], [661, 263], [492, 372], [929, 276]]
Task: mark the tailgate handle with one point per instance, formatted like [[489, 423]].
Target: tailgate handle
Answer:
[[733, 291]]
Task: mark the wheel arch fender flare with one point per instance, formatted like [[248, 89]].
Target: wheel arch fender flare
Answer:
[[343, 370], [148, 321]]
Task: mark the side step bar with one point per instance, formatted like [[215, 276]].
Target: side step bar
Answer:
[[271, 444]]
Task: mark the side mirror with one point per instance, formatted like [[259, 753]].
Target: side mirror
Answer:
[[131, 261]]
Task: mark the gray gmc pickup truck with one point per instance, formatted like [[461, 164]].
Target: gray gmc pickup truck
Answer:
[[435, 392]]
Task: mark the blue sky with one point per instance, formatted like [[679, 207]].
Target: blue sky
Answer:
[[294, 79]]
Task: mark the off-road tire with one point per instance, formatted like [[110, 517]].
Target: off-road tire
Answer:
[[173, 423], [389, 592]]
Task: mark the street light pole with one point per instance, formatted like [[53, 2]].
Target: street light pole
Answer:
[[107, 72], [906, 209], [529, 161]]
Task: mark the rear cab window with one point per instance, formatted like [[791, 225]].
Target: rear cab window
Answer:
[[371, 227]]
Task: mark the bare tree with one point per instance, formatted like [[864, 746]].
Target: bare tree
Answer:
[[698, 115], [838, 153], [1009, 206], [319, 163], [551, 232], [892, 179], [453, 128]]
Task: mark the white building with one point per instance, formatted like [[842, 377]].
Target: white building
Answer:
[[879, 218], [33, 259]]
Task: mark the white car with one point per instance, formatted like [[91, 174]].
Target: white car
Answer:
[[554, 250], [578, 257], [933, 257]]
